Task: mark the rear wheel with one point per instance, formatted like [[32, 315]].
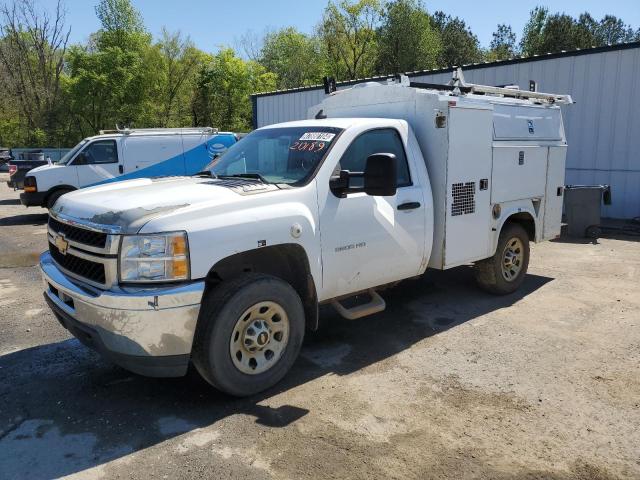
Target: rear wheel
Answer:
[[250, 331], [505, 271], [54, 196]]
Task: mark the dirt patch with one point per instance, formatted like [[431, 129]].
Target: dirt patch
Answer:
[[17, 259]]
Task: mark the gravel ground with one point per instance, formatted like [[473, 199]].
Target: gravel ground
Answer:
[[447, 383]]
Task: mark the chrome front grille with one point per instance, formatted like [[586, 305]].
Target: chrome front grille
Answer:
[[83, 252], [80, 235], [87, 269]]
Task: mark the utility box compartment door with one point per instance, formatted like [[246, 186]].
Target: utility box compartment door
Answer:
[[554, 194], [468, 207], [515, 122], [518, 172]]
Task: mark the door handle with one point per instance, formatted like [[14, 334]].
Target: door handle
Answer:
[[121, 168], [409, 206]]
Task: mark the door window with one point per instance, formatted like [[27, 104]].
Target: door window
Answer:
[[383, 140], [99, 152]]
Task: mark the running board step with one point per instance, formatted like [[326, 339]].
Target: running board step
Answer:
[[376, 305]]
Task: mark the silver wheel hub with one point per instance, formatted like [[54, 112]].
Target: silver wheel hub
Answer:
[[512, 258], [259, 338]]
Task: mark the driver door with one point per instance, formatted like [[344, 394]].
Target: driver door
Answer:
[[369, 241], [97, 162]]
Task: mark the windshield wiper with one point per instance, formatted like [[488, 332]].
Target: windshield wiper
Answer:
[[206, 173], [252, 176]]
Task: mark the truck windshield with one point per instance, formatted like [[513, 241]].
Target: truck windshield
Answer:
[[276, 155], [71, 153]]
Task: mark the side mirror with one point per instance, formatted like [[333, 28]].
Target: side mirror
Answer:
[[378, 178], [339, 184], [380, 175]]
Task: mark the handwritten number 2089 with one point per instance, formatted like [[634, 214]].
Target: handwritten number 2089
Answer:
[[307, 146]]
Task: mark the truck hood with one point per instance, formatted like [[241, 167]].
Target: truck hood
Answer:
[[127, 206], [45, 167]]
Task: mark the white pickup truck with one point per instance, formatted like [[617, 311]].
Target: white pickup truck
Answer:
[[226, 269]]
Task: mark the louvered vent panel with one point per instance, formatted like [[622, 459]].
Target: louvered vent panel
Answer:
[[464, 198]]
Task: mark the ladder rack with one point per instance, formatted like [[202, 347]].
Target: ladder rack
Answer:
[[183, 130], [459, 86]]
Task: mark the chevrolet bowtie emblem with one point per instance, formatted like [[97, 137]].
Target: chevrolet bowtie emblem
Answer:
[[61, 243]]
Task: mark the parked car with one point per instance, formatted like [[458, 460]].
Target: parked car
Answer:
[[227, 269], [5, 156], [26, 161], [122, 155]]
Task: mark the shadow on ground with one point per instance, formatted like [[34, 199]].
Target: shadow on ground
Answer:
[[10, 201], [614, 229], [63, 410], [26, 219]]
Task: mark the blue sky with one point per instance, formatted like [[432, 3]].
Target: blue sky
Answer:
[[213, 23]]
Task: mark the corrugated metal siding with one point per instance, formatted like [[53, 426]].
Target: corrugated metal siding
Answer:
[[603, 127]]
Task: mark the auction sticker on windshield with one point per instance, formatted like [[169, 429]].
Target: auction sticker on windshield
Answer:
[[318, 136]]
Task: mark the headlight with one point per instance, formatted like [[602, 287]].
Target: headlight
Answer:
[[30, 184], [160, 257]]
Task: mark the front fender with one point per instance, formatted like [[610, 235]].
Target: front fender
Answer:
[[49, 177], [283, 217]]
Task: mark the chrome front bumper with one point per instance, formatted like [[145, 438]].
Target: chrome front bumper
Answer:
[[146, 330]]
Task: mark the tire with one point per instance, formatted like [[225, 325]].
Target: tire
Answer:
[[220, 354], [593, 232], [54, 196], [490, 274]]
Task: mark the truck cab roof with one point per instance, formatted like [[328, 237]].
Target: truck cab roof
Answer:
[[336, 122]]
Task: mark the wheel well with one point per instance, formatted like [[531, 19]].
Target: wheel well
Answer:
[[57, 188], [288, 262], [527, 222]]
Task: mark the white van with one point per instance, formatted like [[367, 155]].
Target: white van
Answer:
[[122, 155]]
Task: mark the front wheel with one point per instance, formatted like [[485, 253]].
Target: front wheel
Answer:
[[54, 196], [249, 334], [505, 271]]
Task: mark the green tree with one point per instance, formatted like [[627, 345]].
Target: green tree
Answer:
[[32, 49], [559, 34], [459, 44], [612, 30], [294, 57], [111, 81], [348, 33], [174, 61], [122, 25], [406, 39], [585, 31], [107, 87], [532, 36], [545, 32], [503, 44], [222, 97]]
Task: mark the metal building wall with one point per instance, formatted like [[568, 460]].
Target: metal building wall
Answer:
[[602, 127]]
